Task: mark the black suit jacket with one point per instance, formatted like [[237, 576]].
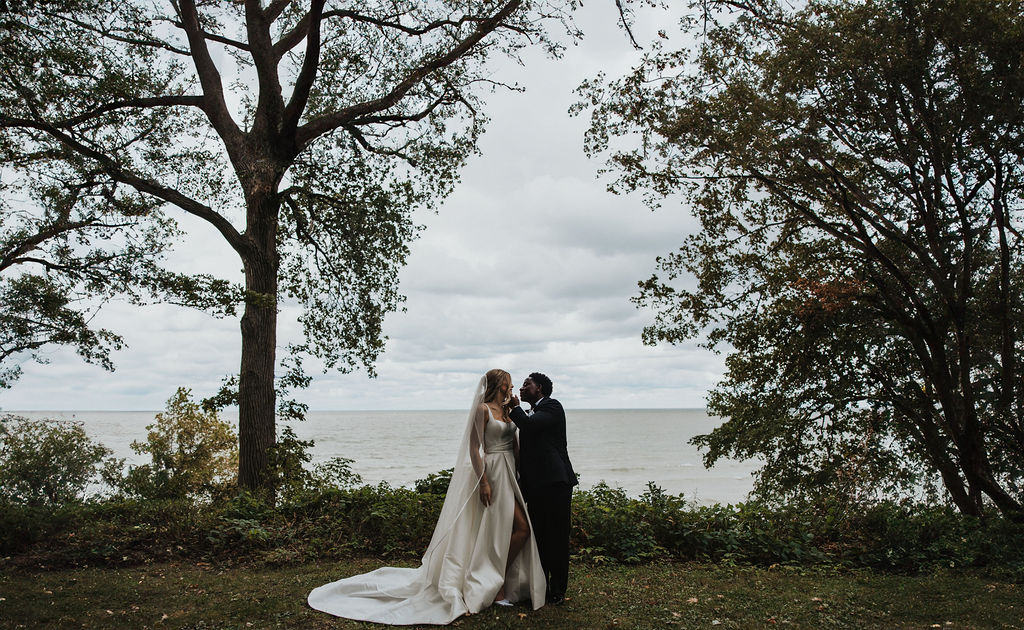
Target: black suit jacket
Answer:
[[543, 457]]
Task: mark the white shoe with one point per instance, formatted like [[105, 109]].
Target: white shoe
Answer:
[[503, 602]]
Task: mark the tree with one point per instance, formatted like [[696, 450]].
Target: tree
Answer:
[[857, 172], [304, 133], [194, 454], [47, 462], [70, 247]]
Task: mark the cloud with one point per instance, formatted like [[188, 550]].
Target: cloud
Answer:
[[529, 265]]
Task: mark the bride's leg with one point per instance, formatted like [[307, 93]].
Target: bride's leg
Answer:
[[520, 534]]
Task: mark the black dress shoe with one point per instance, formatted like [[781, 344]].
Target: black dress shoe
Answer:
[[557, 600]]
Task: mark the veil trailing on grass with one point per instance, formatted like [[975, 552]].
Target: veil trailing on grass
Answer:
[[465, 563]]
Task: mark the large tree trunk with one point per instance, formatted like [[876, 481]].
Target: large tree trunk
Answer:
[[968, 438], [256, 393]]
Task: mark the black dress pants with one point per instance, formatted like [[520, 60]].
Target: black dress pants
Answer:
[[550, 509]]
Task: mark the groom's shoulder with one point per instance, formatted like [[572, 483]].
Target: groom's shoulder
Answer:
[[553, 402]]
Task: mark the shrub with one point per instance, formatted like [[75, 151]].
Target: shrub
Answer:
[[336, 472], [194, 455], [608, 526], [46, 462], [287, 457], [435, 483], [293, 479]]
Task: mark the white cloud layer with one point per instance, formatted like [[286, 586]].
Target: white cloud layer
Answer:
[[528, 266]]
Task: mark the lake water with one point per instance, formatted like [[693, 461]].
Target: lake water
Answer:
[[624, 448]]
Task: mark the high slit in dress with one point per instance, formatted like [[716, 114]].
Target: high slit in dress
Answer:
[[463, 569]]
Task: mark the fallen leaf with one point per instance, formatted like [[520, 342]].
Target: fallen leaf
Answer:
[[692, 600], [522, 615], [677, 615], [815, 599]]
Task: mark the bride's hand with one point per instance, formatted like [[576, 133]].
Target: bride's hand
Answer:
[[485, 492]]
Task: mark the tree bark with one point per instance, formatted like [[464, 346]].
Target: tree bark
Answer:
[[257, 404]]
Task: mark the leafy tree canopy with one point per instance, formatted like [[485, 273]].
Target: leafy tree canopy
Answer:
[[305, 133], [857, 172]]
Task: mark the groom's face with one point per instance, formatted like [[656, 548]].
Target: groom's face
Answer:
[[530, 391]]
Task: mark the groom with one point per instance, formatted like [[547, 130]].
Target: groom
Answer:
[[546, 478]]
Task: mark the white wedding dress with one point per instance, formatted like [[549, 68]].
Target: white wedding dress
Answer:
[[464, 566]]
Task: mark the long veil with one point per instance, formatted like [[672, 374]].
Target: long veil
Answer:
[[466, 475], [465, 563]]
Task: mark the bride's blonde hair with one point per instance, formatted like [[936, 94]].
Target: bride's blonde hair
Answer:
[[494, 380]]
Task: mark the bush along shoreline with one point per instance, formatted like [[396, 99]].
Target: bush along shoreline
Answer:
[[608, 527], [183, 505]]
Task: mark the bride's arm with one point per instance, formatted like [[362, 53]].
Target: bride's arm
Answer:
[[515, 450], [476, 438]]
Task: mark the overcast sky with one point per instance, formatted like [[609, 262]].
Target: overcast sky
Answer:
[[529, 265]]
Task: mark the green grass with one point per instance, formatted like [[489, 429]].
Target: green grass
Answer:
[[200, 596]]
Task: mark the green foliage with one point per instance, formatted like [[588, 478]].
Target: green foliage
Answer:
[[287, 457], [435, 483], [856, 172], [311, 172], [608, 527], [291, 475], [376, 519], [46, 462], [110, 532], [336, 472], [194, 455]]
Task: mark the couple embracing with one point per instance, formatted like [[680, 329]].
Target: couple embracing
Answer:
[[503, 532]]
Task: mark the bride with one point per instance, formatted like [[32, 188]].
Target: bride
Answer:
[[482, 550]]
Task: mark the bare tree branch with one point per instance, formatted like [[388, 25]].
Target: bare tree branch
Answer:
[[213, 37], [322, 125], [307, 74], [141, 103], [292, 38], [625, 24], [151, 43], [215, 105]]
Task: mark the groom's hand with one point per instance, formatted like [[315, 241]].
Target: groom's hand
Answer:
[[514, 402]]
